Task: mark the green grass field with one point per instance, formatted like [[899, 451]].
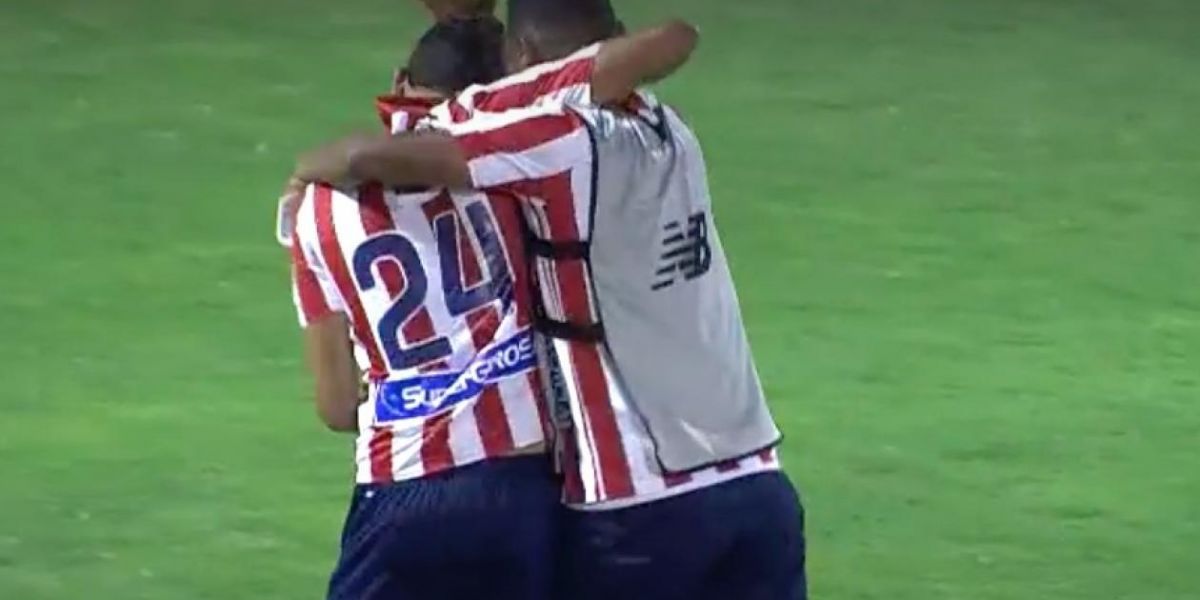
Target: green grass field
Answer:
[[965, 233]]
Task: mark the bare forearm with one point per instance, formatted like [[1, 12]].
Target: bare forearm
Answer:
[[335, 375], [641, 58], [338, 412], [422, 159], [330, 163]]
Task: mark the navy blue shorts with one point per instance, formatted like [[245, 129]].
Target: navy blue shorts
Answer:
[[487, 530], [740, 540]]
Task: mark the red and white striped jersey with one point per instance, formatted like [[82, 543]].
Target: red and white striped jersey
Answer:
[[521, 137], [566, 81], [435, 286], [402, 113]]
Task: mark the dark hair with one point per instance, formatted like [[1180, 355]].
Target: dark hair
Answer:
[[557, 28], [458, 53]]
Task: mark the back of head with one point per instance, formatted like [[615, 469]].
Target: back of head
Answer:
[[552, 29], [458, 53]]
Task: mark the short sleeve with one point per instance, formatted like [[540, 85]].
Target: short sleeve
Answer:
[[313, 290]]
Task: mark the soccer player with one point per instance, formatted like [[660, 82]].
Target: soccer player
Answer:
[[456, 497], [670, 458]]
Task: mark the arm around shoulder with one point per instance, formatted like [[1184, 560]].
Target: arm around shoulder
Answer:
[[625, 63]]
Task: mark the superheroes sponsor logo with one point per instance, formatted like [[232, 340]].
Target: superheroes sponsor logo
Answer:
[[431, 393]]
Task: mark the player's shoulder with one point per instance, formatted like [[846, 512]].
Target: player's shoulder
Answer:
[[316, 208], [566, 78], [540, 115], [538, 77], [305, 231]]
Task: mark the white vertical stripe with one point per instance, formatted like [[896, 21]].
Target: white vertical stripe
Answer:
[[401, 121], [362, 458], [439, 116], [348, 228], [589, 468], [544, 269], [635, 440], [300, 316], [466, 444], [581, 193], [407, 440], [520, 406], [310, 245]]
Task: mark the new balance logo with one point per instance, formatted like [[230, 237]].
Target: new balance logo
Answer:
[[687, 253]]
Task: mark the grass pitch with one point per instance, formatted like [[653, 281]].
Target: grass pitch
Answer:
[[964, 231]]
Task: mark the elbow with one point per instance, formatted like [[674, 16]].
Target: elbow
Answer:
[[372, 158], [337, 420], [360, 163], [685, 35], [340, 424]]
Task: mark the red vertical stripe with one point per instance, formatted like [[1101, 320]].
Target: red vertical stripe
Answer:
[[593, 389], [331, 251], [561, 207], [472, 271], [435, 445], [313, 303], [379, 453], [490, 415], [494, 430], [767, 456], [506, 211], [615, 473], [458, 113]]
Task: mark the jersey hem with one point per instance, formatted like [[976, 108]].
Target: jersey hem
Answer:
[[468, 461], [679, 490]]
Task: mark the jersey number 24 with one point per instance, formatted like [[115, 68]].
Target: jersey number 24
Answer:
[[497, 284]]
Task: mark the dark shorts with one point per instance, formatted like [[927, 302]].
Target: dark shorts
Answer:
[[740, 540], [483, 531]]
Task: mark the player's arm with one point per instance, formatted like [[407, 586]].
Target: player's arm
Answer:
[[335, 375], [626, 63], [517, 146], [326, 328], [428, 158]]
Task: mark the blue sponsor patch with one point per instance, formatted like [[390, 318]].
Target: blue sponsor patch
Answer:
[[431, 393]]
